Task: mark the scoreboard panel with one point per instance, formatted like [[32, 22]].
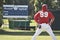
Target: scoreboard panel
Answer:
[[15, 11]]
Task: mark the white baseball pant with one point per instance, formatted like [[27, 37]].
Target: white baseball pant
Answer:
[[45, 27]]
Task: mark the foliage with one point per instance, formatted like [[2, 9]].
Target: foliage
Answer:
[[35, 5], [1, 21]]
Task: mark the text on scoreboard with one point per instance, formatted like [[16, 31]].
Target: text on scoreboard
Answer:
[[15, 10]]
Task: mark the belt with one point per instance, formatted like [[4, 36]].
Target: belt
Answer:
[[43, 23]]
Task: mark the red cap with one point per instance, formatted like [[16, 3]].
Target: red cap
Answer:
[[44, 7]]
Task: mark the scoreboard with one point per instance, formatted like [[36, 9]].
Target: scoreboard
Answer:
[[15, 11]]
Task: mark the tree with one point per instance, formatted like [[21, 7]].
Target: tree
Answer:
[[31, 7], [37, 5], [1, 4]]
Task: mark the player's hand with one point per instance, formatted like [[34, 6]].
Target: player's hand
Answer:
[[39, 26], [50, 24]]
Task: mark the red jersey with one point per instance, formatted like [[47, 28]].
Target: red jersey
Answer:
[[43, 17]]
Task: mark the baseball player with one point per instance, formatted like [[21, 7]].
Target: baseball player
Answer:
[[44, 19]]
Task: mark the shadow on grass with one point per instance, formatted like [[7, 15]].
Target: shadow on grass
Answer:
[[3, 32]]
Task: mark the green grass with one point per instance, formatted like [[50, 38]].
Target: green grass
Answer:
[[8, 34], [11, 37]]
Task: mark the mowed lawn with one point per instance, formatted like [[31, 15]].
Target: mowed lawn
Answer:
[[11, 37], [25, 35], [20, 35]]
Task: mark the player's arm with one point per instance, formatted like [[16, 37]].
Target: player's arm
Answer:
[[51, 21], [36, 17], [52, 18]]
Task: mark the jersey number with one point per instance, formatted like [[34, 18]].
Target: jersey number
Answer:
[[44, 14]]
